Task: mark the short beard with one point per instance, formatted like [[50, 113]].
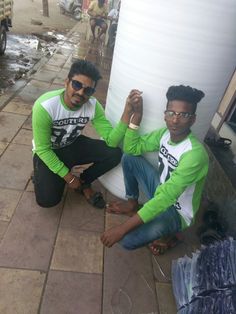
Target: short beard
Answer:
[[78, 104]]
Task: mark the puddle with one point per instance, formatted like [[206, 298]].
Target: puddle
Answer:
[[22, 53]]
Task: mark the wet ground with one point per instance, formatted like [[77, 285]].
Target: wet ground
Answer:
[[22, 53]]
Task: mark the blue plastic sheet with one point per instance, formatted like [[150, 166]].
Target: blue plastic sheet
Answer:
[[206, 282]]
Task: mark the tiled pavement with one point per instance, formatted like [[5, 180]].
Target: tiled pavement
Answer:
[[51, 260]]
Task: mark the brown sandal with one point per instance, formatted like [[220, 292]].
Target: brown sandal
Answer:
[[97, 200]]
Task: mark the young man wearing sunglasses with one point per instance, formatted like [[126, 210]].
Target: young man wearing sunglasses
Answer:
[[58, 120], [174, 190]]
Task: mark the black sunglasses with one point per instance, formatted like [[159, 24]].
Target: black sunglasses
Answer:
[[77, 85]]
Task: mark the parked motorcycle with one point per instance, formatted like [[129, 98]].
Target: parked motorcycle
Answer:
[[71, 7]]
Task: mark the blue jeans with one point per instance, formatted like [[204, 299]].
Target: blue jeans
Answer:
[[139, 173]]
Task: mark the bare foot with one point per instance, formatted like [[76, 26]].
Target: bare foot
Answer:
[[160, 246], [128, 208], [157, 247]]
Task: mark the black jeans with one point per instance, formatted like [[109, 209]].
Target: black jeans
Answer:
[[49, 186]]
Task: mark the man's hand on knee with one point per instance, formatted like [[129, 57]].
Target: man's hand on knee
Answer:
[[72, 181]]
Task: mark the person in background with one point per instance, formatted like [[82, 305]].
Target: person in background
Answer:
[[98, 15], [58, 119], [113, 16], [174, 190]]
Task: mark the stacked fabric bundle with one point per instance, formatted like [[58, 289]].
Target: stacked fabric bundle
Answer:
[[206, 283]]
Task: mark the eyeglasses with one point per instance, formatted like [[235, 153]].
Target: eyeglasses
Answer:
[[77, 85], [182, 115]]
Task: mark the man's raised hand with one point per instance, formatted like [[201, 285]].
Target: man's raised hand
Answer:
[[133, 105]]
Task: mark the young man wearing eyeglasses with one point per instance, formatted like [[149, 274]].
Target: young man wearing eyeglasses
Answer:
[[58, 119], [174, 190]]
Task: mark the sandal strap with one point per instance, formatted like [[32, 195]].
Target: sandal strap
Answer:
[[97, 200]]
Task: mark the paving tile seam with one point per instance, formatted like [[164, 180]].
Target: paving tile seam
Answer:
[[13, 113], [75, 272], [51, 257], [13, 143], [10, 220], [10, 188], [5, 220], [25, 129], [22, 268], [103, 270], [26, 185], [1, 153], [5, 110], [20, 197], [18, 131], [21, 144], [18, 114], [8, 224], [11, 97], [79, 229]]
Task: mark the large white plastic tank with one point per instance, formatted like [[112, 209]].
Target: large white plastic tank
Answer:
[[162, 43]]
